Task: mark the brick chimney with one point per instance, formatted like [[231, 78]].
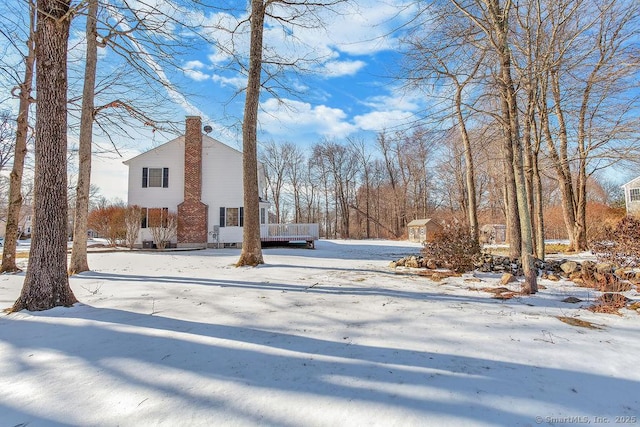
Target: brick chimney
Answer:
[[192, 213]]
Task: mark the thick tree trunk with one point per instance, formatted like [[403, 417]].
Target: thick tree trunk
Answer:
[[46, 284], [79, 262], [15, 179], [251, 245]]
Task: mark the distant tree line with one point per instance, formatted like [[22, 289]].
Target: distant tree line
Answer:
[[357, 189]]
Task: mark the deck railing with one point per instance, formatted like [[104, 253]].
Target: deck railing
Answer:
[[290, 232]]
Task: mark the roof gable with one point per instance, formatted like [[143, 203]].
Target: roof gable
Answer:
[[633, 183], [207, 141], [420, 222]]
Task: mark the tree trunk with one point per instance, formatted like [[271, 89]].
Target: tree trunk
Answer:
[[500, 19], [251, 245], [469, 172], [562, 165], [79, 262], [511, 198], [15, 180], [538, 208], [46, 284]]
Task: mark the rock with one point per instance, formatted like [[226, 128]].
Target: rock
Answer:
[[393, 264], [552, 277], [412, 262], [604, 267], [431, 264], [507, 278], [575, 275], [572, 300], [436, 277], [569, 267]]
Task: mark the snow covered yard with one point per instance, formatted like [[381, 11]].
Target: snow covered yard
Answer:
[[322, 337]]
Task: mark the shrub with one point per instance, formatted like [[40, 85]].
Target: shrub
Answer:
[[132, 221], [163, 226], [109, 223], [619, 245], [454, 247]]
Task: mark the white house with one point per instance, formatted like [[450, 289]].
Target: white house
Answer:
[[632, 196], [200, 179]]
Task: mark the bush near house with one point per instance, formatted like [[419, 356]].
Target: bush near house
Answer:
[[109, 222], [163, 226]]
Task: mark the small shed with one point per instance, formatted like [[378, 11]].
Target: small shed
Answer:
[[423, 230], [493, 234]]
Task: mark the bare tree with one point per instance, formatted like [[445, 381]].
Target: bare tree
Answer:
[[46, 284], [286, 13], [78, 262], [294, 172], [276, 159], [455, 64], [22, 130], [492, 18], [251, 244], [7, 138], [590, 70]]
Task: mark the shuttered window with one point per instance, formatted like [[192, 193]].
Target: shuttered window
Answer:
[[155, 177], [231, 217]]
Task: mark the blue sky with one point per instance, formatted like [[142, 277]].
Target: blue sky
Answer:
[[346, 90]]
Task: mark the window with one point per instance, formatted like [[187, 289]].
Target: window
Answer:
[[143, 214], [153, 217], [634, 194], [155, 177], [263, 216], [231, 217]]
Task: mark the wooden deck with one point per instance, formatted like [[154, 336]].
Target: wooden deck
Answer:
[[290, 233]]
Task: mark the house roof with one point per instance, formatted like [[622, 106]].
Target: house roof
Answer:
[[633, 181], [419, 222], [205, 139]]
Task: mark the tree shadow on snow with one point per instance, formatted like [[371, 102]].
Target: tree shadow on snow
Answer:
[[195, 363], [351, 288]]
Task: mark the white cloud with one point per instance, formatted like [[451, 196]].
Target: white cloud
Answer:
[[406, 101], [196, 75], [356, 29], [173, 93], [194, 65], [285, 117], [239, 82], [376, 121], [342, 68]]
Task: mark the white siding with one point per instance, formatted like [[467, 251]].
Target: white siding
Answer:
[[169, 155], [221, 182], [633, 207], [221, 185]]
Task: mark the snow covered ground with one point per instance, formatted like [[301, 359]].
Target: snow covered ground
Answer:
[[324, 337]]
